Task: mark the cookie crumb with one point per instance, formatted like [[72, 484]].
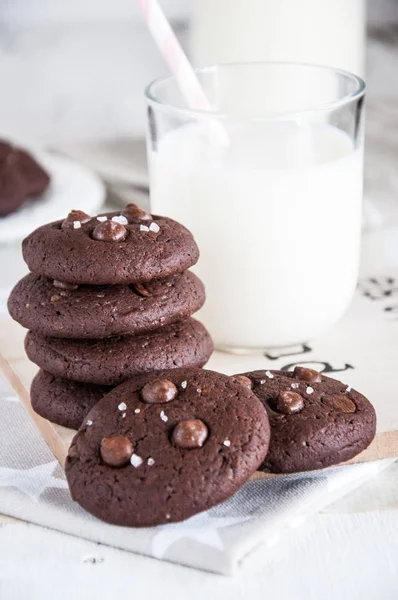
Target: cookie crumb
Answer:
[[102, 219], [136, 460], [76, 225], [93, 560], [184, 384], [269, 374], [120, 219], [122, 406], [137, 410], [150, 462], [309, 390], [227, 443], [154, 227], [164, 417]]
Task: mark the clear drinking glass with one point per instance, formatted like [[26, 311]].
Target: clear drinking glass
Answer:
[[270, 184]]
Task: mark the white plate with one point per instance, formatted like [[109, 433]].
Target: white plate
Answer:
[[72, 186]]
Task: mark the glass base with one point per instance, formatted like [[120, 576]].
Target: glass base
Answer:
[[264, 350]]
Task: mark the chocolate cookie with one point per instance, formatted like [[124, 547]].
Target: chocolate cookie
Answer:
[[20, 178], [56, 309], [315, 421], [161, 448], [35, 178], [62, 401], [12, 190], [113, 360], [118, 248]]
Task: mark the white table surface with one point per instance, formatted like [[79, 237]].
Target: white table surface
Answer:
[[338, 554]]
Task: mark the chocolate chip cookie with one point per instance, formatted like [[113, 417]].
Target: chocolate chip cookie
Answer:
[[124, 247], [58, 309], [62, 401], [162, 447], [113, 360], [315, 421]]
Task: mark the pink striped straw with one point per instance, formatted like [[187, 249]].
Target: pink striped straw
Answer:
[[176, 59]]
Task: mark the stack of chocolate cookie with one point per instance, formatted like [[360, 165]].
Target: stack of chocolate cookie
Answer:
[[108, 297]]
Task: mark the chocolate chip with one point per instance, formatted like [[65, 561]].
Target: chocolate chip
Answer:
[[190, 434], [341, 403], [109, 231], [64, 285], [289, 403], [141, 290], [244, 381], [116, 450], [135, 214], [159, 391], [308, 375], [75, 216]]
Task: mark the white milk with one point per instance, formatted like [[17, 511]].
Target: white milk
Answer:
[[277, 217]]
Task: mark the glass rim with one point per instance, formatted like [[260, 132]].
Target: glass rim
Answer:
[[332, 105]]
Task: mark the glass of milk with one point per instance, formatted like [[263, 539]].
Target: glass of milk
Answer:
[[270, 184]]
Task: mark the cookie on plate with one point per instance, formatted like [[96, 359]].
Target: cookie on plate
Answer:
[[12, 190], [162, 447], [62, 401], [315, 421], [113, 360], [57, 309], [21, 177], [124, 247]]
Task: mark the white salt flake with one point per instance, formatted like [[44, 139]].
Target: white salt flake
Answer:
[[199, 390], [136, 460], [123, 415], [120, 219], [295, 386], [269, 374], [262, 381], [154, 227], [122, 406], [227, 443], [168, 516], [102, 219], [137, 410], [348, 388], [144, 228], [164, 417], [184, 384], [89, 423], [150, 462], [76, 225], [309, 390]]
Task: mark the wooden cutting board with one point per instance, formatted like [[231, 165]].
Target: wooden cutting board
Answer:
[[19, 372]]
